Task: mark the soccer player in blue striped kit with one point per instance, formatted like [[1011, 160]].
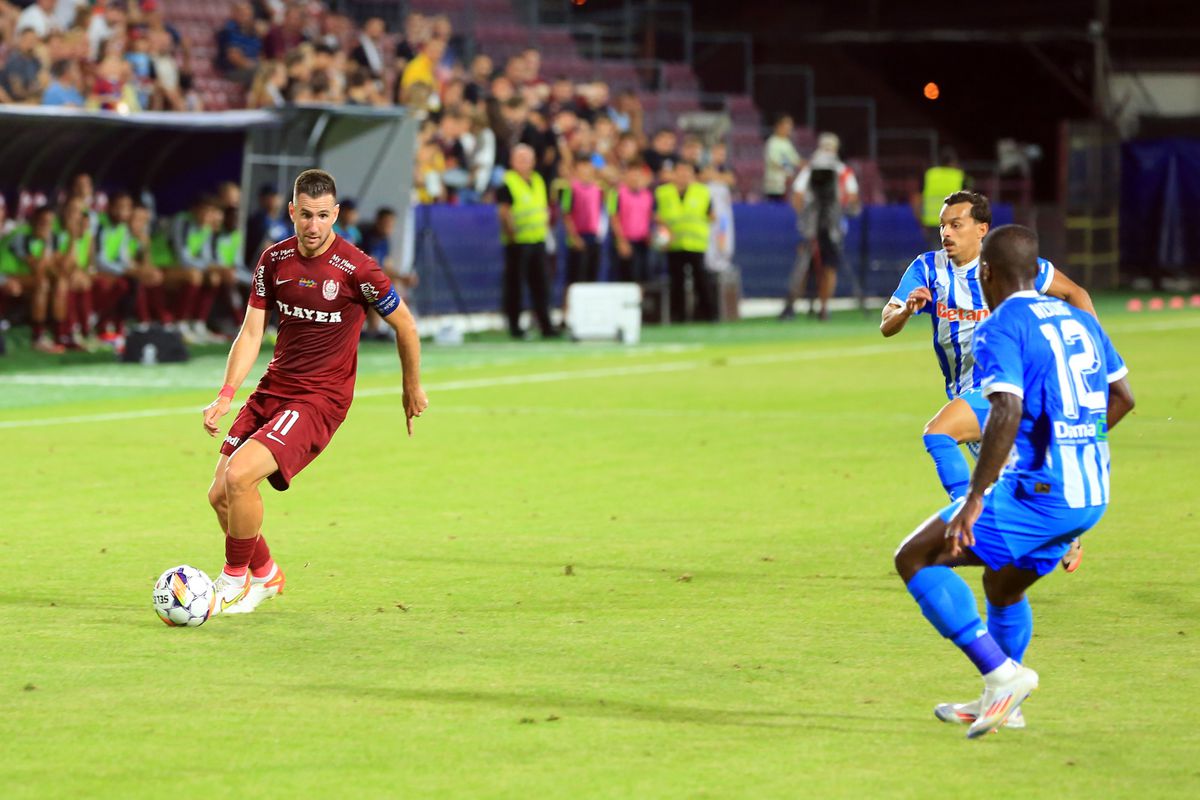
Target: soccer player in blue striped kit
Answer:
[[945, 284], [1055, 386]]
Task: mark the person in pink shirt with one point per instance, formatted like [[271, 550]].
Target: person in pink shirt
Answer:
[[632, 214], [582, 203]]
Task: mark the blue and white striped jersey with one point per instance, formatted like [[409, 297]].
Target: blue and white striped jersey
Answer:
[[957, 307], [1059, 361]]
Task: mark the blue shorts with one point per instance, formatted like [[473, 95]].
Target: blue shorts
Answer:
[[978, 403], [1019, 529]]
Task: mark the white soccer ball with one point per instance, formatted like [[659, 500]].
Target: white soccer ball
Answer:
[[184, 597]]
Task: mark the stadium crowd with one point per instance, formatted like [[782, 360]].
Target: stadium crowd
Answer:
[[85, 261]]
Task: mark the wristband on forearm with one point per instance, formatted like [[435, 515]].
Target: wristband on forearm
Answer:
[[228, 391]]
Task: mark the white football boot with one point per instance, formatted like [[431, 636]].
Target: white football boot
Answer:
[[1004, 690], [259, 589], [966, 713], [228, 591]]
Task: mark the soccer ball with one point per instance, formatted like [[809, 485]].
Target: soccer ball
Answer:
[[184, 597]]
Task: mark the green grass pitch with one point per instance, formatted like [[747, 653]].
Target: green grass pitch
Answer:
[[661, 571]]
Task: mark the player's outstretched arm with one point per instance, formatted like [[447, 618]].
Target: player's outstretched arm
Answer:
[[408, 343], [1120, 401], [896, 315], [998, 437], [1066, 289], [241, 357]]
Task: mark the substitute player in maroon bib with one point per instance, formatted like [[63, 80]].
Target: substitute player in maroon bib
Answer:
[[321, 285]]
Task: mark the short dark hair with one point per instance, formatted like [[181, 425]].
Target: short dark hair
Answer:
[[1012, 251], [314, 183], [981, 209], [385, 211], [61, 67]]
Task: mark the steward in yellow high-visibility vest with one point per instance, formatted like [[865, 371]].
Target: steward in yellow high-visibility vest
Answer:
[[684, 208], [524, 208]]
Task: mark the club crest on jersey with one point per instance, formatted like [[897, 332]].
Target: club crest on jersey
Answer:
[[307, 283], [329, 289], [962, 314]]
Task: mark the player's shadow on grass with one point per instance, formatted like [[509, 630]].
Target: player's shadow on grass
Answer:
[[537, 708]]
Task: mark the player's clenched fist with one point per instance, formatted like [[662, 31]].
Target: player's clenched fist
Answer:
[[917, 299], [213, 413]]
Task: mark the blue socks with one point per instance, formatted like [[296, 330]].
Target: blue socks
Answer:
[[949, 605], [1011, 627], [950, 463]]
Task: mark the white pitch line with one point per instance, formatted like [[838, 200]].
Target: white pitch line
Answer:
[[515, 380]]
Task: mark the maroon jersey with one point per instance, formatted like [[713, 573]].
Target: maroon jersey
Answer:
[[321, 302]]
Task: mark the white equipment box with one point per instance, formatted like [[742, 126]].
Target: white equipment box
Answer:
[[605, 311]]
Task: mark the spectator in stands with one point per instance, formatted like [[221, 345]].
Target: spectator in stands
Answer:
[[267, 89], [419, 98], [684, 209], [511, 126], [238, 45], [453, 126], [824, 191], [533, 84], [361, 90], [112, 84], [632, 215], [582, 205], [453, 94], [692, 150], [627, 113], [103, 26], [115, 253], [595, 101], [328, 81], [40, 18], [37, 253], [421, 68], [63, 89], [150, 300], [285, 36], [347, 223], [431, 163], [479, 79], [780, 161], [166, 70], [416, 32], [524, 210], [481, 155], [628, 151], [562, 95], [661, 151], [718, 168], [142, 68], [368, 53], [229, 196], [604, 136], [25, 76]]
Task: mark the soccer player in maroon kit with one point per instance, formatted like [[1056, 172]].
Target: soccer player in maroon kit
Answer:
[[321, 286]]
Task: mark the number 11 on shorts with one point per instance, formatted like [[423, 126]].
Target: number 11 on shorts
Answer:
[[284, 424]]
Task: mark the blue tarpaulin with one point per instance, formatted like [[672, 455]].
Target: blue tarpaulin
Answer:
[[1160, 204], [460, 246]]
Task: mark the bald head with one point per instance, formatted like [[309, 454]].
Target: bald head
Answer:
[[1008, 262], [522, 159]]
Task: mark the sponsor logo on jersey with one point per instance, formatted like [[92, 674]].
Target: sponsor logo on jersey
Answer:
[[370, 294], [286, 310], [232, 441], [329, 289], [962, 314], [260, 281], [307, 283], [342, 264], [1064, 430], [279, 255]]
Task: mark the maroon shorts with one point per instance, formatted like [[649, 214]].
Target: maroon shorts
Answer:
[[294, 431]]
